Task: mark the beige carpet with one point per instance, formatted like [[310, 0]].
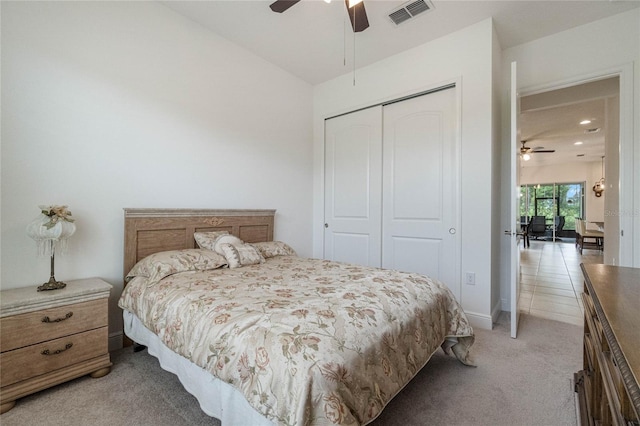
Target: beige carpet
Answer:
[[527, 381]]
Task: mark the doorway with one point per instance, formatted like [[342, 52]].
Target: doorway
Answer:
[[569, 132]]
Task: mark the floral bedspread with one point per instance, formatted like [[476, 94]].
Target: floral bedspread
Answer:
[[307, 341]]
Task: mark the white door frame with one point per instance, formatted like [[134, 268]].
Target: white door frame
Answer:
[[629, 154], [514, 216]]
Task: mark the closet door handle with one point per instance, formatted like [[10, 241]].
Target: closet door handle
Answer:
[[326, 225], [452, 231]]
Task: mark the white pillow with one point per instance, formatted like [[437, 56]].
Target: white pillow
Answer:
[[241, 255], [226, 239]]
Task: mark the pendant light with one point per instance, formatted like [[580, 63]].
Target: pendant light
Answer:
[[598, 188]]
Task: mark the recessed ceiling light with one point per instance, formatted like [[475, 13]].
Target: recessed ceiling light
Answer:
[[578, 143], [585, 122]]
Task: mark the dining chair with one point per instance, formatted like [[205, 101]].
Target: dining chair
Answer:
[[537, 227]]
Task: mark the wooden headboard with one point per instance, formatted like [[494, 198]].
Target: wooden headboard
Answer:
[[148, 231]]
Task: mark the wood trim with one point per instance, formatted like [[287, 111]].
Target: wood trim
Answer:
[[147, 212]]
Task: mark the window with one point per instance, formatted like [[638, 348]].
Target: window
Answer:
[[554, 199]]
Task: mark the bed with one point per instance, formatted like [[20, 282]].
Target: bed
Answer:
[[261, 336]]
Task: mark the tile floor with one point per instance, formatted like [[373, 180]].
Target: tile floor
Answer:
[[551, 280]]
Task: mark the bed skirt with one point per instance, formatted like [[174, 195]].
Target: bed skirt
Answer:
[[216, 398]]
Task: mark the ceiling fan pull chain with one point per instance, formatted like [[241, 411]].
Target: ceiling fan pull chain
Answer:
[[344, 42], [354, 49]]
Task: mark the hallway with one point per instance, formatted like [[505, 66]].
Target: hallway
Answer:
[[551, 280]]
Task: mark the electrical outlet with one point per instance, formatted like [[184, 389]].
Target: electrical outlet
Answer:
[[470, 278]]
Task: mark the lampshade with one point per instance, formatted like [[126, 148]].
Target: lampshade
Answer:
[[50, 238]]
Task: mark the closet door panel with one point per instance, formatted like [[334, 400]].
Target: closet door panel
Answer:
[[420, 187], [351, 164], [421, 255], [352, 248], [353, 182], [416, 154]]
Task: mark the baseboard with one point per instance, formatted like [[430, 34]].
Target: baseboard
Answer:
[[480, 320], [115, 341]]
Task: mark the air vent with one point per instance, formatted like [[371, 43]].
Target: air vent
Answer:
[[409, 11], [594, 130], [580, 155]]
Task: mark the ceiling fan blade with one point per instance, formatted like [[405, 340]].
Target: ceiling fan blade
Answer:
[[357, 16], [544, 150], [280, 6]]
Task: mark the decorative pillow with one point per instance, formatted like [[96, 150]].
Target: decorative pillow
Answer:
[[162, 264], [226, 239], [274, 248], [241, 255], [206, 240]]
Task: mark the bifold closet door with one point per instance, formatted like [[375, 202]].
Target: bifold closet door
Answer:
[[420, 198], [353, 183]]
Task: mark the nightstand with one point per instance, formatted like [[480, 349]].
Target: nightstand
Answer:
[[50, 337]]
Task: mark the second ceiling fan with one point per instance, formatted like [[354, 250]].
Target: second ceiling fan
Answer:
[[355, 10], [526, 151]]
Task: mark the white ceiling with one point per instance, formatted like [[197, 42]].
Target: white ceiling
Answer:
[[309, 40], [313, 41], [552, 120]]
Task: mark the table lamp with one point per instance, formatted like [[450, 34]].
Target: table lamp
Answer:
[[50, 230]]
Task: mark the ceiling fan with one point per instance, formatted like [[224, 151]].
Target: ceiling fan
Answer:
[[355, 10], [526, 151]]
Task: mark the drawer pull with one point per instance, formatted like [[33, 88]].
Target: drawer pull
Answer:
[[57, 351], [49, 320]]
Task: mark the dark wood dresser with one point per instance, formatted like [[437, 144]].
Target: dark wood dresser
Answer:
[[607, 386]]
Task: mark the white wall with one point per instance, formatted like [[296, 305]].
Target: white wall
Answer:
[[612, 194], [465, 57], [609, 46], [107, 105]]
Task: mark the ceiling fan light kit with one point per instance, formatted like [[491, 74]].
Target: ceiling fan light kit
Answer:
[[526, 151]]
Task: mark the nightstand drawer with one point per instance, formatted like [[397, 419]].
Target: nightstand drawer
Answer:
[[34, 327], [31, 361]]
